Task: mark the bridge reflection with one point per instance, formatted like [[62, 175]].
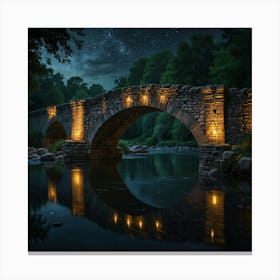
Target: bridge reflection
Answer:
[[111, 205], [78, 200], [214, 217]]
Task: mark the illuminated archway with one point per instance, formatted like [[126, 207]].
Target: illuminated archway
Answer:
[[105, 140]]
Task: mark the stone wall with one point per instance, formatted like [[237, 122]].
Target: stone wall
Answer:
[[238, 114], [210, 157], [213, 115]]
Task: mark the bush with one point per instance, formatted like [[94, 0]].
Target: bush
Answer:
[[35, 138], [124, 146], [53, 148], [244, 147]]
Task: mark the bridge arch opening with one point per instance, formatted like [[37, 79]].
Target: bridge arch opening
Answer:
[[55, 133], [105, 141]]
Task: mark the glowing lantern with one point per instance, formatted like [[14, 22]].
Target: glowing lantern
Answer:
[[51, 110], [128, 101], [162, 98], [144, 99]]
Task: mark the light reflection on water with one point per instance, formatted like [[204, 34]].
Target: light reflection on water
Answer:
[[151, 202]]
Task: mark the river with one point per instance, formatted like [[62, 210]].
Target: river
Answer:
[[148, 202]]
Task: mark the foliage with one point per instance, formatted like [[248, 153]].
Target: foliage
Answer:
[[38, 228], [136, 71], [190, 64], [52, 90], [155, 66], [233, 59], [35, 138], [244, 147], [158, 128], [44, 43], [124, 146], [55, 147]]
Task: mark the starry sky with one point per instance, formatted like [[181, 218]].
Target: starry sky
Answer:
[[108, 53]]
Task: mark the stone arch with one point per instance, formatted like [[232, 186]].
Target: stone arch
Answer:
[[106, 134], [54, 132]]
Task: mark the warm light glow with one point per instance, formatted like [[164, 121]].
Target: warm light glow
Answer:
[[77, 133], [51, 110], [78, 202], [214, 132], [162, 98], [128, 101], [158, 225], [212, 235], [214, 217], [52, 195], [115, 218], [144, 99], [140, 223], [128, 221], [214, 199]]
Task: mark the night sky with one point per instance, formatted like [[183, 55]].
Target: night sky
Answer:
[[108, 53]]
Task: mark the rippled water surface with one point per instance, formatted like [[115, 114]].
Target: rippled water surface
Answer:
[[151, 202]]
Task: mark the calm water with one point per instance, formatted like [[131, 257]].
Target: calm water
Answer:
[[153, 202]]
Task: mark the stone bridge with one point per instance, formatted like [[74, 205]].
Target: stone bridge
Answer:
[[92, 127]]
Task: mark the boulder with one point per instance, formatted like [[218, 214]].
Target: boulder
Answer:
[[42, 151], [228, 155], [32, 150], [34, 156], [138, 149], [213, 172], [59, 153], [245, 164], [48, 157], [60, 158]]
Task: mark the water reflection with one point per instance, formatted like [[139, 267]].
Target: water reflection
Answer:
[[52, 195], [169, 206], [78, 201], [214, 217]]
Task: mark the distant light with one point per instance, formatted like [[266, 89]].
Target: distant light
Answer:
[[214, 199], [212, 235], [128, 221], [115, 218]]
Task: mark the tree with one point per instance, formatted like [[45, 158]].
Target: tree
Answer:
[[73, 84], [233, 60], [121, 82], [50, 91], [44, 43], [136, 72], [95, 90], [191, 63], [155, 67]]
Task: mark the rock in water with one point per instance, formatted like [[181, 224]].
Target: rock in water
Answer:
[[245, 164], [42, 151], [48, 157]]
